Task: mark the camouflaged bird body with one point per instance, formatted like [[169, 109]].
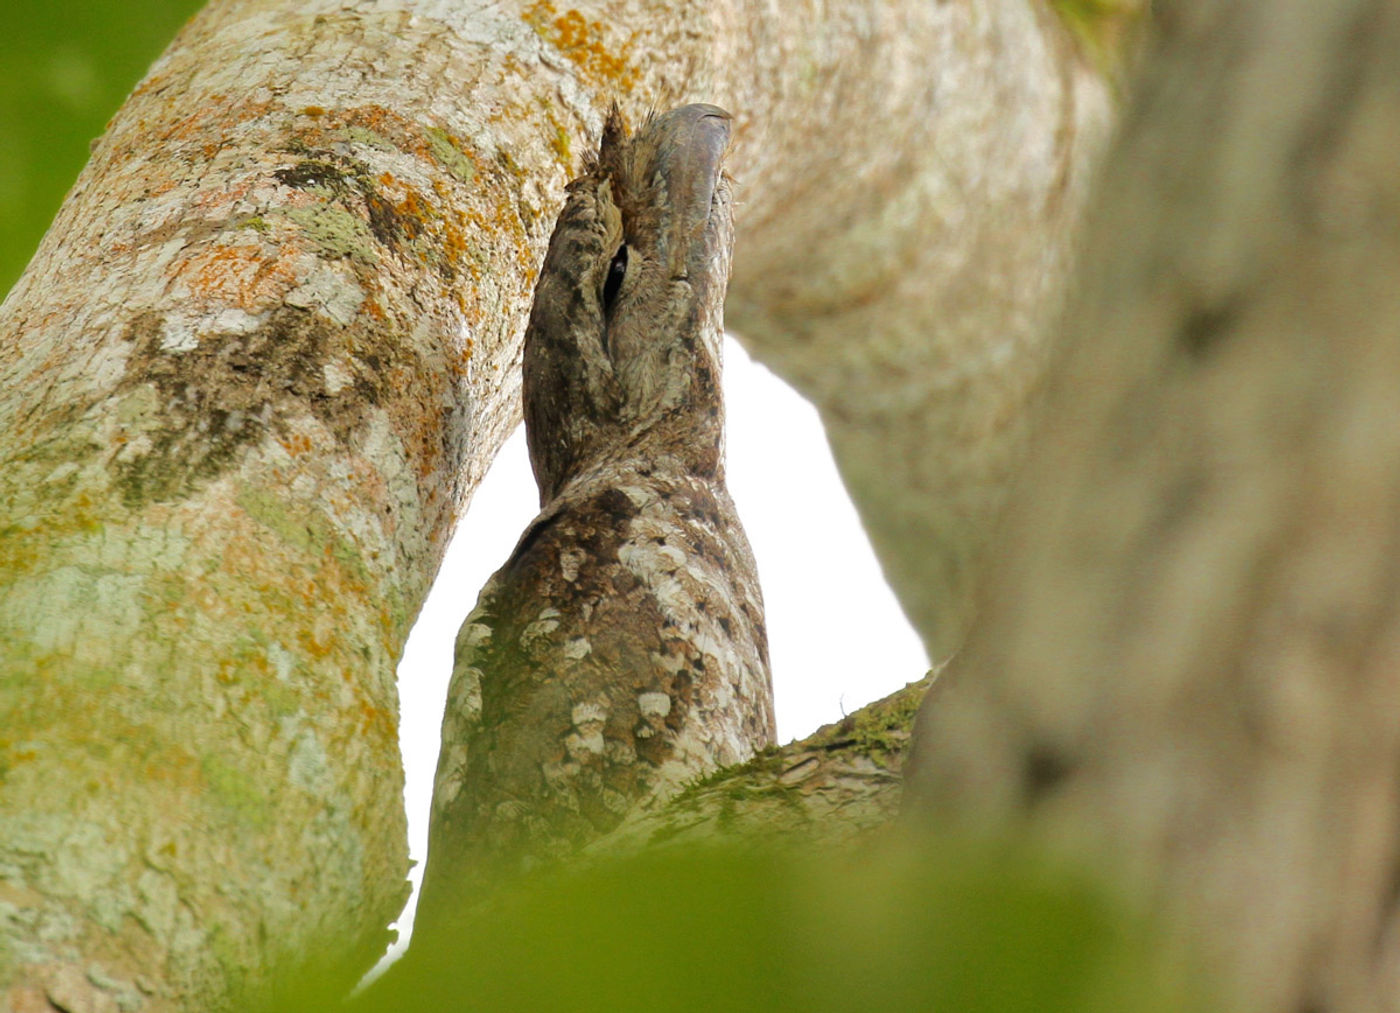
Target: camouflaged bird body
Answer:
[[621, 651]]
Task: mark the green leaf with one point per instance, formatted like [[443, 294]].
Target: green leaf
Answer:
[[65, 68]]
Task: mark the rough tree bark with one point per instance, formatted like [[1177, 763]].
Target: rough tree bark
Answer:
[[1187, 669], [831, 788], [271, 343]]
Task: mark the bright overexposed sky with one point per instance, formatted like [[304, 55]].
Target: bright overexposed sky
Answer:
[[836, 636]]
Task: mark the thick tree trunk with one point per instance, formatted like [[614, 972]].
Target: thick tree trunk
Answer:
[[1187, 667], [271, 343]]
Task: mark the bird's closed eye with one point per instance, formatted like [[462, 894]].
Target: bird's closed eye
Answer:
[[617, 270]]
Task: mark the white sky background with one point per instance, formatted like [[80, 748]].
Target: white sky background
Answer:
[[836, 636]]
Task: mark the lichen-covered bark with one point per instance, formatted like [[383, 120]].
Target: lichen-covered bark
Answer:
[[269, 346], [621, 651], [246, 385], [832, 787], [1187, 669]]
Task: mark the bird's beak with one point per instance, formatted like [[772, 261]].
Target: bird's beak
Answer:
[[691, 159]]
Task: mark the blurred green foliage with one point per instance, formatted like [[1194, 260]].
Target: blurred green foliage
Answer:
[[65, 67], [901, 925]]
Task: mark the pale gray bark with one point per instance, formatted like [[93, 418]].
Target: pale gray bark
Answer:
[[271, 343], [1186, 672], [906, 282]]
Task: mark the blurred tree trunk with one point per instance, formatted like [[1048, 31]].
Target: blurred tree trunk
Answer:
[[271, 343], [1188, 665]]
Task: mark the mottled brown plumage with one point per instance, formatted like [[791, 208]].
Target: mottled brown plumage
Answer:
[[620, 652]]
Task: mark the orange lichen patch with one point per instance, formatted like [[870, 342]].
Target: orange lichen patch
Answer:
[[405, 213], [214, 118], [317, 590], [153, 83], [221, 197], [403, 133], [78, 718], [581, 41], [385, 122], [427, 441], [174, 766], [242, 275], [377, 721], [160, 188], [296, 443], [414, 210], [19, 551], [22, 548], [369, 485], [455, 247], [313, 644], [500, 217], [15, 756]]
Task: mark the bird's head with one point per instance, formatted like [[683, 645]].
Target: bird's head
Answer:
[[622, 354]]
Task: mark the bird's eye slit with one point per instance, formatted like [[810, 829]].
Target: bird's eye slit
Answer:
[[617, 270]]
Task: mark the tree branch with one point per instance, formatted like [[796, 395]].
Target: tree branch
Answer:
[[844, 779]]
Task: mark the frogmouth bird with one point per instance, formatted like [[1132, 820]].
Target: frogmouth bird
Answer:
[[620, 652]]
